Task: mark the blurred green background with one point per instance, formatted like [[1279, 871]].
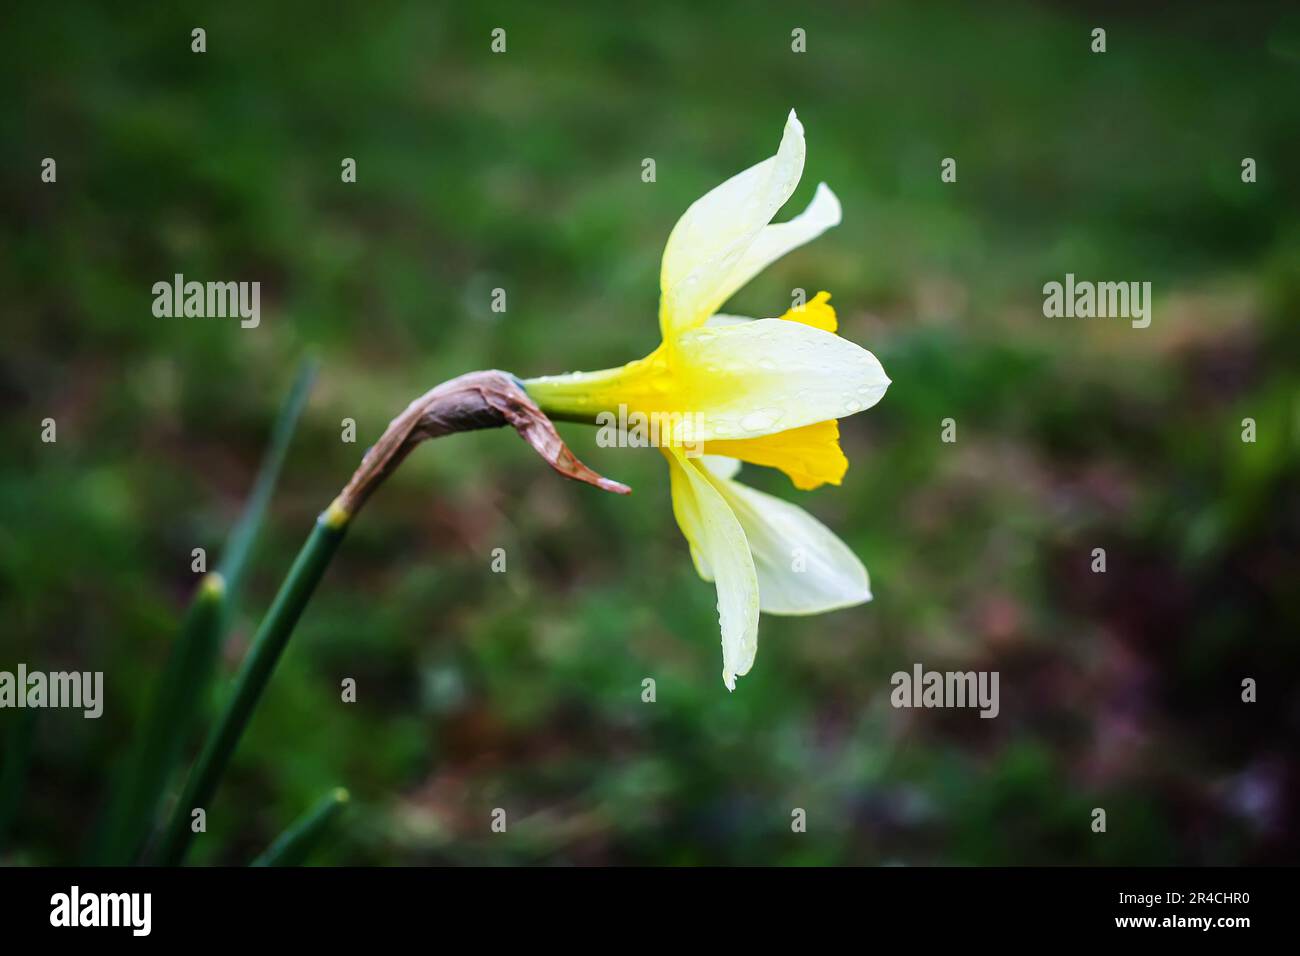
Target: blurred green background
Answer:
[[523, 171]]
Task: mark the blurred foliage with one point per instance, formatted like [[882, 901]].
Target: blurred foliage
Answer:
[[522, 170]]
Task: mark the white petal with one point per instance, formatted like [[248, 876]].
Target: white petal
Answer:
[[713, 235], [758, 378], [721, 466], [775, 240], [802, 567], [687, 513], [719, 319], [714, 532]]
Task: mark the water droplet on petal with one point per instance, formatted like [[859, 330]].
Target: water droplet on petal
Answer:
[[761, 420]]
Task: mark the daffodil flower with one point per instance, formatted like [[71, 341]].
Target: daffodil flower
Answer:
[[764, 391]]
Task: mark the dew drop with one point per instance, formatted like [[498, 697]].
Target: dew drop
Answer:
[[761, 420]]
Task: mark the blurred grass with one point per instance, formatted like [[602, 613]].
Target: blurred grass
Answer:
[[522, 690]]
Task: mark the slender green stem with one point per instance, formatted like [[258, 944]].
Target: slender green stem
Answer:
[[271, 638], [469, 402], [234, 558], [182, 693], [293, 846], [172, 716]]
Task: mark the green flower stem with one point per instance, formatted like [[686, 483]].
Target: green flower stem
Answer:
[[476, 400], [294, 845], [181, 695], [234, 557], [578, 396], [171, 720], [271, 638]]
